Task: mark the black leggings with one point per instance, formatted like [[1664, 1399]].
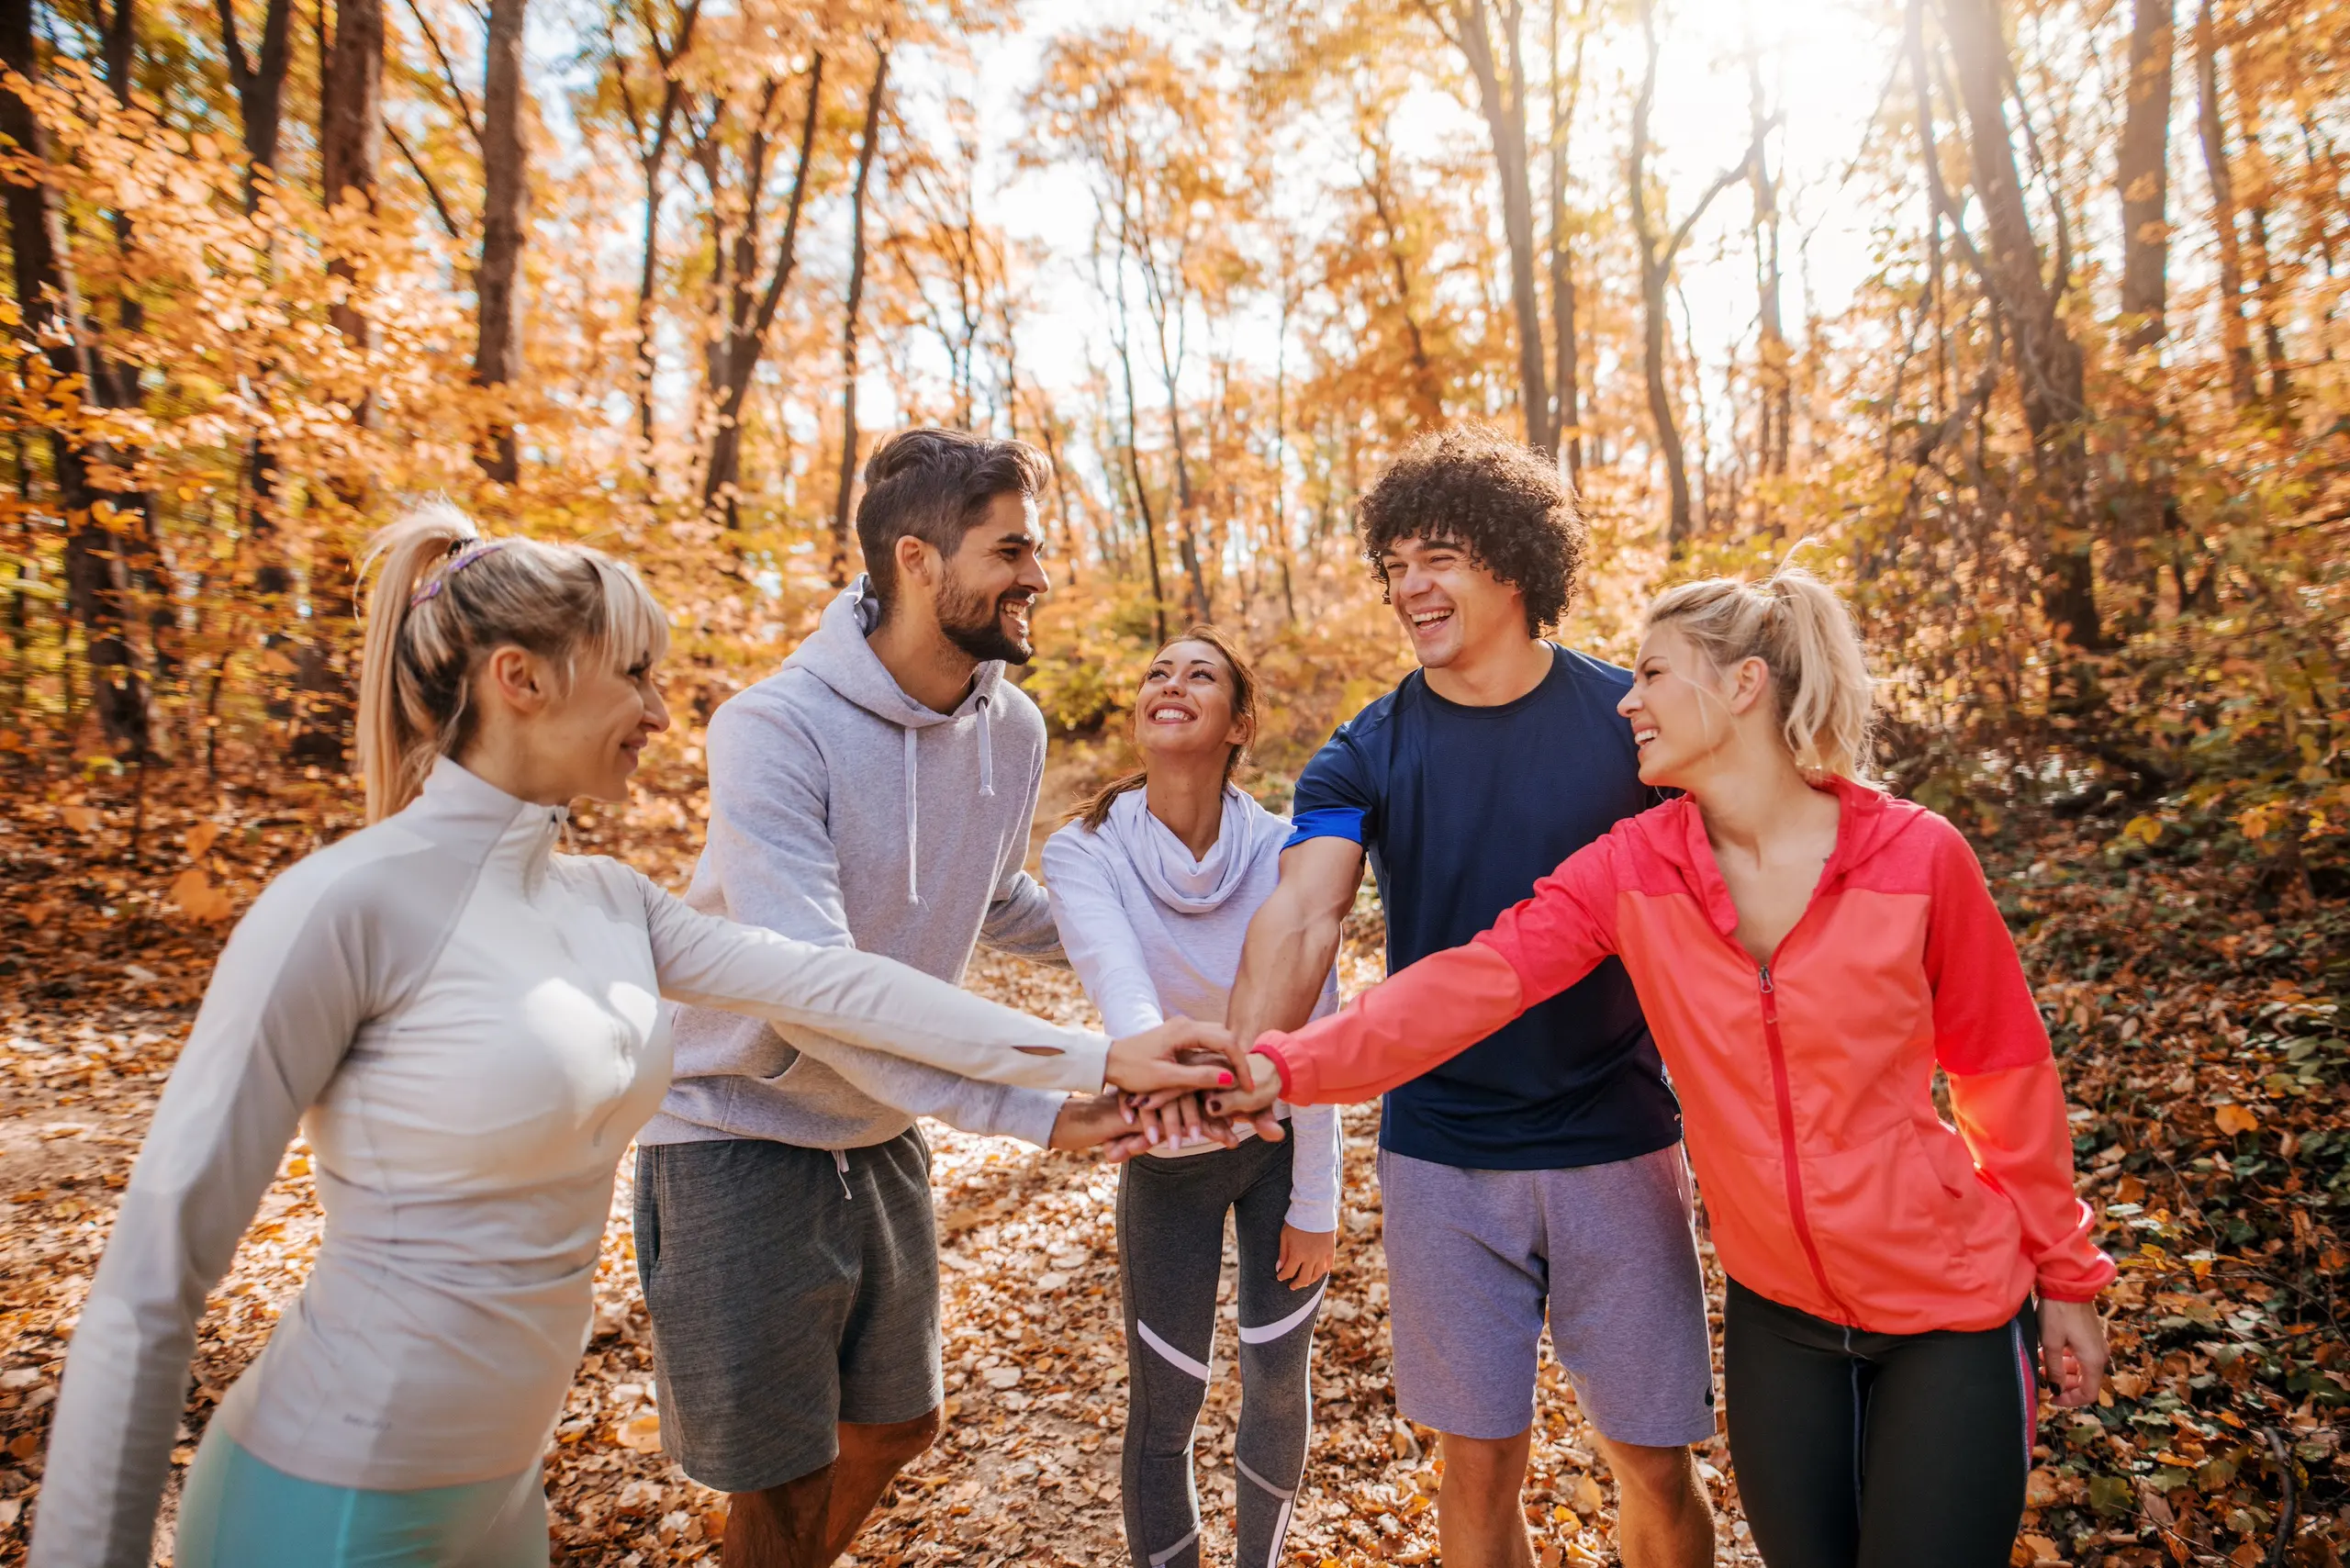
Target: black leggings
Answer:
[[1170, 1252], [1878, 1451]]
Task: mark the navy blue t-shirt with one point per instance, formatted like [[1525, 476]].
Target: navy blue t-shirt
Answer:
[[1460, 809]]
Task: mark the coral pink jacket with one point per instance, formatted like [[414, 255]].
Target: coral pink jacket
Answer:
[[1807, 1084]]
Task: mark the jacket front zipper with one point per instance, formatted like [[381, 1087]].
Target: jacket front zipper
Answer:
[[1786, 1096]]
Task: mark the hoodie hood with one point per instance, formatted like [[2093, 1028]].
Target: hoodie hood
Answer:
[[1868, 820], [1164, 862], [840, 654]]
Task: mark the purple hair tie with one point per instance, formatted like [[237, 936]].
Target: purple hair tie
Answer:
[[465, 557]]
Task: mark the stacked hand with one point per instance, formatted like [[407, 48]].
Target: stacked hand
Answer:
[[1181, 1055], [1180, 1090]]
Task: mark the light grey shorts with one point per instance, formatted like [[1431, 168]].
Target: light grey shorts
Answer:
[[790, 1289], [1475, 1257]]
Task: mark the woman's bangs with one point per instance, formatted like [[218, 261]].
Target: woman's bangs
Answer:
[[635, 629]]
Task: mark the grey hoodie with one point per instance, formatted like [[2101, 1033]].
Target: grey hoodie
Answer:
[[844, 813]]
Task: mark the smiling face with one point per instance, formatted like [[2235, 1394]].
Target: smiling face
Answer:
[[990, 583], [1188, 705], [1680, 709], [1451, 608], [590, 738]]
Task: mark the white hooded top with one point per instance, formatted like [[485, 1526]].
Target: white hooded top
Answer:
[[1155, 935], [466, 1025]]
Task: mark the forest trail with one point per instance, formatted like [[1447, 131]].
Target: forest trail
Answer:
[[2197, 1023]]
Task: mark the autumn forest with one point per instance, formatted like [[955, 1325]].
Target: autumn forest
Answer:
[[2028, 321]]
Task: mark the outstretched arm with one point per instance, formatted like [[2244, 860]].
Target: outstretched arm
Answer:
[[288, 993], [880, 1004], [1293, 938], [1430, 1012]]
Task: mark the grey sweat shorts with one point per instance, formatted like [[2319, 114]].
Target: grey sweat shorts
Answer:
[[790, 1289], [1475, 1257]]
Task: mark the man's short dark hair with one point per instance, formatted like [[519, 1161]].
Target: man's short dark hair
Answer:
[[1499, 499], [934, 484]]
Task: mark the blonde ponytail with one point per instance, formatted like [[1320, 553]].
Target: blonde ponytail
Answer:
[[444, 598], [1804, 634]]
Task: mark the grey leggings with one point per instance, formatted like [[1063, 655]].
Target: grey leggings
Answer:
[[1170, 1252]]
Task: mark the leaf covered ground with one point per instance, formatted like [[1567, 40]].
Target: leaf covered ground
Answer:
[[2198, 1017]]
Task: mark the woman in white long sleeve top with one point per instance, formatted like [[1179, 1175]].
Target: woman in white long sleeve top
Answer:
[[466, 1024], [1153, 886]]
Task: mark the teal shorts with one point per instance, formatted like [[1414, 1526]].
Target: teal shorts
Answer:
[[237, 1512]]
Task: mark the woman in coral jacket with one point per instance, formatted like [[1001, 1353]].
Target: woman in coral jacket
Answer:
[[1808, 952]]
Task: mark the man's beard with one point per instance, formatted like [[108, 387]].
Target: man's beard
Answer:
[[974, 624]]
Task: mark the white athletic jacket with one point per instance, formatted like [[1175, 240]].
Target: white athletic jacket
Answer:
[[466, 1025]]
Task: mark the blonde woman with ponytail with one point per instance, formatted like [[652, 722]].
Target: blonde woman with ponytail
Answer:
[[1808, 953], [466, 1025]]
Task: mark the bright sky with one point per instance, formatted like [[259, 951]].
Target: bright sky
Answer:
[[1826, 64], [1830, 60]]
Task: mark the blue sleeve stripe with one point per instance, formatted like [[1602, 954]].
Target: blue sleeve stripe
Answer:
[[1327, 822]]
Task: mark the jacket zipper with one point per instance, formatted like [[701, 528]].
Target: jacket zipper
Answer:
[[1786, 1097]]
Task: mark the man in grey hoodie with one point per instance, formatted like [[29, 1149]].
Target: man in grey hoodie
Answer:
[[876, 791]]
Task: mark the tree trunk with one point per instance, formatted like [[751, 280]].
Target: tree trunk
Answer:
[[1656, 267], [115, 382], [350, 111], [350, 154], [651, 160], [2047, 361], [2142, 173], [2264, 303], [870, 139], [1425, 396], [505, 210], [261, 96], [1133, 464], [1771, 340], [49, 305], [1504, 108], [2210, 121], [1567, 429], [260, 85], [351, 134], [2142, 176], [742, 343]]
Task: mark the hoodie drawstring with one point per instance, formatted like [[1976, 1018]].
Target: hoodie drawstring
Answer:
[[987, 753], [913, 830], [913, 793]]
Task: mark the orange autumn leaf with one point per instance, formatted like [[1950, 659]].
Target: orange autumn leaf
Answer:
[[198, 898], [2235, 1119]]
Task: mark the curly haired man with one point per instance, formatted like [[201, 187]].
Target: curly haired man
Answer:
[[1539, 1174]]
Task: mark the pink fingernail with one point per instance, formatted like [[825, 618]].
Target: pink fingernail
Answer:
[[1223, 1080]]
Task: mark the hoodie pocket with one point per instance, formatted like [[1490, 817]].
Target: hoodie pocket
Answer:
[[1892, 1232]]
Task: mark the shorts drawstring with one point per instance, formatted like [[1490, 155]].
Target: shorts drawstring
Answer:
[[840, 1166]]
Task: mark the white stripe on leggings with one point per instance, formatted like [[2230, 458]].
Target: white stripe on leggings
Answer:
[[1174, 1357], [1275, 1331], [1259, 1480], [1158, 1558], [1280, 1523], [1281, 1528]]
